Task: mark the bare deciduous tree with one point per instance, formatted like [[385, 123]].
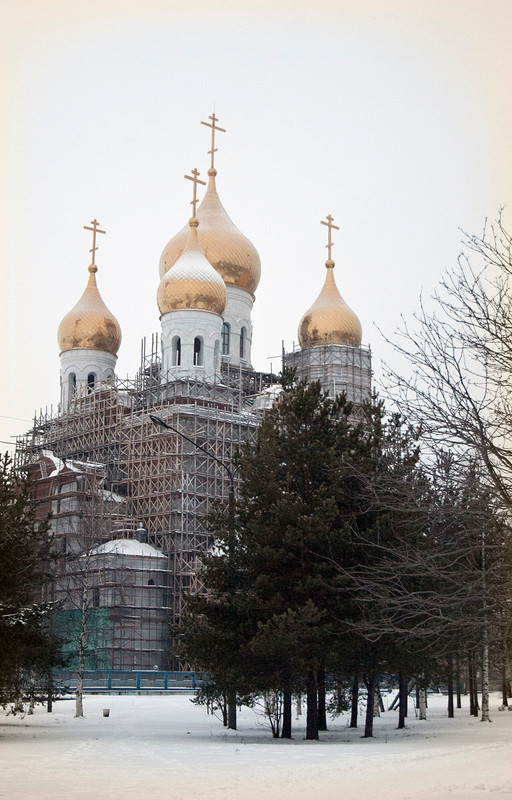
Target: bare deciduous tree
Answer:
[[459, 388]]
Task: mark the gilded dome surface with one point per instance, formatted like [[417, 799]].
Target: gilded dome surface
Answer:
[[231, 253], [329, 320], [90, 325], [192, 282]]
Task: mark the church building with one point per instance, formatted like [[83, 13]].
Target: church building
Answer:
[[130, 468]]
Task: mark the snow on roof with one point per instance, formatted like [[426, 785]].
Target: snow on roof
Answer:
[[128, 547], [57, 463], [108, 495], [266, 398], [85, 466]]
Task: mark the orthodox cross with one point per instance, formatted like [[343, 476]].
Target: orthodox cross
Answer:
[[330, 225], [195, 178], [214, 128], [94, 230]]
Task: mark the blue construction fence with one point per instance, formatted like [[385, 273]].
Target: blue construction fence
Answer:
[[112, 680]]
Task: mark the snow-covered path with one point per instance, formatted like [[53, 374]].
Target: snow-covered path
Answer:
[[165, 746]]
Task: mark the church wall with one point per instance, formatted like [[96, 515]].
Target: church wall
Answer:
[[238, 315], [339, 368], [76, 368]]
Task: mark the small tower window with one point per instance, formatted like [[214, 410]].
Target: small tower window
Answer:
[[226, 330], [95, 598], [198, 352], [91, 381], [243, 337], [176, 351], [72, 384]]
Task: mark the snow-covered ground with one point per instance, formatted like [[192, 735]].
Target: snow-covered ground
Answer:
[[151, 747]]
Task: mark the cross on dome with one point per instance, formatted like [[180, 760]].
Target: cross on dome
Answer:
[[214, 128], [195, 178], [330, 225], [94, 230]]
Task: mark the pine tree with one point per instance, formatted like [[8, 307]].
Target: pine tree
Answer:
[[265, 623], [25, 631]]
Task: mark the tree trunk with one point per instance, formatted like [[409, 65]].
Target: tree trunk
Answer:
[[49, 691], [32, 693], [79, 706], [286, 732], [485, 643], [451, 712], [312, 709], [470, 686], [232, 710], [354, 702], [371, 684], [322, 712], [298, 707], [504, 680], [485, 676], [423, 703], [18, 707], [402, 701], [459, 683], [473, 695]]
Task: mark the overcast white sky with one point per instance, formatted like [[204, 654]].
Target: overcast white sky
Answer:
[[394, 116]]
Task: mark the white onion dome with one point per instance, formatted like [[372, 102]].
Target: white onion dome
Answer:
[[231, 253], [329, 320], [192, 283], [90, 325]]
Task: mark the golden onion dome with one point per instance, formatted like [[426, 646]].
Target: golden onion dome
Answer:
[[329, 320], [231, 253], [192, 282], [90, 325]]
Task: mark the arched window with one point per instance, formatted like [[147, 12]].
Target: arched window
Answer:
[[198, 352], [151, 582], [243, 337], [226, 330], [216, 354], [72, 384], [95, 598], [91, 381], [176, 351]]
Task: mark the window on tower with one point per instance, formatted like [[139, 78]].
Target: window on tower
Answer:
[[226, 331], [176, 351], [72, 384], [198, 352], [91, 381], [243, 337]]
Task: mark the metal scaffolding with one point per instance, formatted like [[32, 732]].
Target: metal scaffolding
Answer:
[[339, 368], [104, 468]]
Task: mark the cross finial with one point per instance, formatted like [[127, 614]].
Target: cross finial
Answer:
[[195, 178], [214, 128], [94, 230], [330, 225]]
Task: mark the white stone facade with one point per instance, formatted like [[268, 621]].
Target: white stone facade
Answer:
[[237, 315], [191, 345], [82, 371]]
